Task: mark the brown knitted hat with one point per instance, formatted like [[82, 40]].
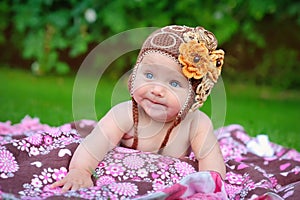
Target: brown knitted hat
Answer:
[[169, 38], [195, 50]]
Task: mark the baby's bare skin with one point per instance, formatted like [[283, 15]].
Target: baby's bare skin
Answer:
[[160, 91]]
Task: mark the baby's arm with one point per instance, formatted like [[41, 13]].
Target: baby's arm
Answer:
[[206, 147], [80, 170], [105, 136]]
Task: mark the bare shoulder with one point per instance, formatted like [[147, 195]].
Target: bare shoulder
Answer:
[[205, 144], [202, 137], [125, 106], [200, 121], [122, 115]]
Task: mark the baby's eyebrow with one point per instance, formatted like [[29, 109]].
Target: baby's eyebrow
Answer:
[[146, 67]]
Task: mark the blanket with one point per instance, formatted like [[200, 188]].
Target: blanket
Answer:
[[34, 155]]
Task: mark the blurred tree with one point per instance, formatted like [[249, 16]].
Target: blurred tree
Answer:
[[50, 33]]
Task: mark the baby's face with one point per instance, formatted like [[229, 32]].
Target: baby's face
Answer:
[[160, 88]]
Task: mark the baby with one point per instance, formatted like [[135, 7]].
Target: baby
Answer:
[[174, 73]]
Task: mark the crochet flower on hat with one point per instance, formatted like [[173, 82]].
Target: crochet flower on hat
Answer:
[[217, 59], [195, 59]]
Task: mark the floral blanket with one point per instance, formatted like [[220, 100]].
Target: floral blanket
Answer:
[[34, 155]]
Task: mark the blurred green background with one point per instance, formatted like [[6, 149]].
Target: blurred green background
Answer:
[[44, 42]]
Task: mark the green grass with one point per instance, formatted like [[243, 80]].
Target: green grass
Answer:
[[261, 110]]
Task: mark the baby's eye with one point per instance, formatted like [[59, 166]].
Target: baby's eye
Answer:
[[149, 75], [175, 84]]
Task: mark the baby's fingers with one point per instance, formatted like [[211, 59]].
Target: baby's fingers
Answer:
[[58, 183], [75, 187], [67, 187]]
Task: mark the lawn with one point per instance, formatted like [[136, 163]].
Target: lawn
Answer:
[[261, 110]]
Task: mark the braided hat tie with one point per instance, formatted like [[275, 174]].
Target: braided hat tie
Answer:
[[195, 50]]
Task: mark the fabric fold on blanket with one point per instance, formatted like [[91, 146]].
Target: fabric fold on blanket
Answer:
[[34, 155]]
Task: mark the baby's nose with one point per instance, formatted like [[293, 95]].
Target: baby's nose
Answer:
[[158, 90]]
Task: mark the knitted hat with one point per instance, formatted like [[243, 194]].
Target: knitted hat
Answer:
[[195, 50]]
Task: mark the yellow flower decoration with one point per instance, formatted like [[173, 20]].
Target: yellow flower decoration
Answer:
[[215, 68], [195, 59]]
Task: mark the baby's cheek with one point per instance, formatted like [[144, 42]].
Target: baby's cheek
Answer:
[[183, 98], [178, 103]]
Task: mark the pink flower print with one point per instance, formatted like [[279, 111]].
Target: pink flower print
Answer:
[[35, 139], [59, 173], [37, 183], [28, 121], [130, 174], [234, 178], [64, 140], [46, 176], [242, 136], [7, 162], [142, 173], [273, 181], [102, 164], [118, 156], [45, 195], [151, 167], [133, 162], [34, 151], [296, 170], [47, 189], [42, 149], [184, 168], [166, 160], [65, 128], [250, 185], [192, 156], [125, 150], [232, 190], [158, 184], [48, 140], [175, 178], [147, 158], [136, 178], [163, 174], [162, 165], [23, 145], [105, 180], [115, 169], [91, 193], [154, 156], [226, 150], [5, 127], [292, 154], [126, 189], [54, 132]]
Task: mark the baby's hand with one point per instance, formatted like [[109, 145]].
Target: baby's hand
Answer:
[[74, 180]]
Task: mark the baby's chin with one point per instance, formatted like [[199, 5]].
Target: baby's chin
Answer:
[[160, 116]]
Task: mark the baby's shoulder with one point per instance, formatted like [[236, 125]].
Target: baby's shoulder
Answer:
[[199, 122], [123, 106], [122, 115], [199, 117], [122, 110]]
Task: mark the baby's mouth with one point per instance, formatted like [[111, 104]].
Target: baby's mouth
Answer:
[[156, 105]]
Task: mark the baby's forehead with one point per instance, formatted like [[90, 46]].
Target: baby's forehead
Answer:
[[156, 58]]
